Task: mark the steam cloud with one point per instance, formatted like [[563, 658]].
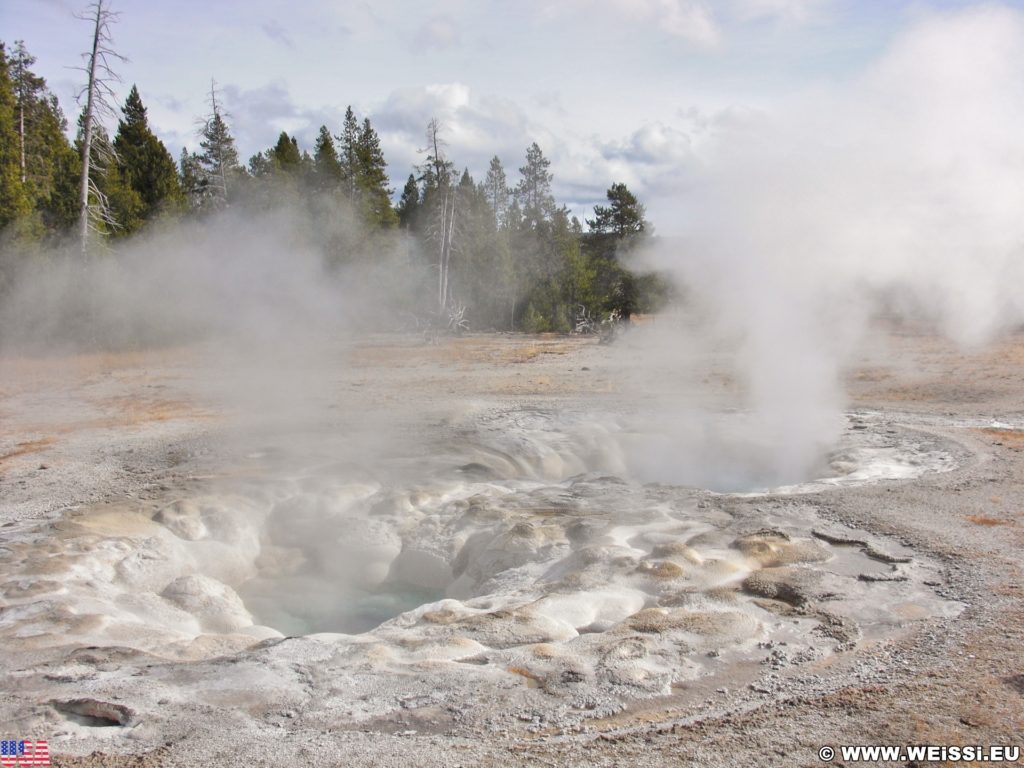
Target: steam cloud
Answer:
[[902, 189], [257, 298]]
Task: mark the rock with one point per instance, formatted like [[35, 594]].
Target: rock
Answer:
[[774, 548], [216, 605], [790, 585], [183, 519]]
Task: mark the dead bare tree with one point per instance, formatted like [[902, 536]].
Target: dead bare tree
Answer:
[[442, 227], [98, 93], [447, 238]]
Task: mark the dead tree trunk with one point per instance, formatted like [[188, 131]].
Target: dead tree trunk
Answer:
[[83, 190], [222, 174], [442, 277], [97, 92], [447, 239], [21, 136]]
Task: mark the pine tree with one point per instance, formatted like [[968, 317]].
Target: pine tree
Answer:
[[14, 199], [280, 170], [190, 176], [125, 207], [625, 215], [481, 277], [409, 203], [534, 190], [46, 157], [285, 154], [26, 86], [219, 158], [59, 207], [326, 167], [144, 164], [348, 154], [497, 191], [262, 164], [372, 179], [614, 229], [578, 273], [531, 223]]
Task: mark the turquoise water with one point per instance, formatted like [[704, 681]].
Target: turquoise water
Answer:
[[302, 606]]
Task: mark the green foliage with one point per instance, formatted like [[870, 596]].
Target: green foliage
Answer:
[[409, 204], [49, 166], [623, 217], [285, 154], [480, 258], [615, 230], [39, 169], [373, 193], [579, 277], [533, 321], [496, 191], [521, 261], [125, 204], [326, 167], [15, 202], [534, 190], [190, 176], [357, 167], [59, 208], [348, 157], [219, 171], [561, 323], [145, 168]]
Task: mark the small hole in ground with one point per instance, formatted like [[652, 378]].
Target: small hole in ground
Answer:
[[94, 714]]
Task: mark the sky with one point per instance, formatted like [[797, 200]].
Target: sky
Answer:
[[627, 91]]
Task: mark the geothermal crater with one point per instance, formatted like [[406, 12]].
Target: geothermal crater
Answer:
[[527, 547]]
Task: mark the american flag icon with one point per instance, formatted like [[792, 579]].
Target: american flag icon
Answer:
[[24, 752]]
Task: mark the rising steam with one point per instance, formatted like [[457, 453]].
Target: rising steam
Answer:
[[902, 189]]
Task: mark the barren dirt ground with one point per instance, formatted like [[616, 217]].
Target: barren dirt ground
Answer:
[[77, 433]]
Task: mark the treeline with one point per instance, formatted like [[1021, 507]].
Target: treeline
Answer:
[[500, 254]]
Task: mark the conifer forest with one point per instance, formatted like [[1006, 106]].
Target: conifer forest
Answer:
[[497, 252]]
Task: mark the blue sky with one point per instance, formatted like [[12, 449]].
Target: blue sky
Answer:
[[612, 90]]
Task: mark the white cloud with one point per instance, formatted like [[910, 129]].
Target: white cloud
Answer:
[[258, 115], [794, 11], [656, 160], [437, 33], [653, 144], [276, 32], [690, 20], [474, 127]]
